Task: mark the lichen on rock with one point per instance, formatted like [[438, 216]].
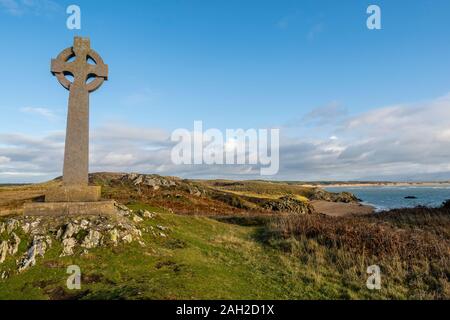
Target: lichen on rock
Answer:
[[76, 235]]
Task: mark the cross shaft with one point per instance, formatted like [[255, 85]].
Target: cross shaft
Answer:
[[76, 155]]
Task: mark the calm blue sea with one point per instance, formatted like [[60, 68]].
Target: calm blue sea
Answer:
[[384, 198]]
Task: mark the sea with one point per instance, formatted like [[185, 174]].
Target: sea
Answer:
[[395, 197]]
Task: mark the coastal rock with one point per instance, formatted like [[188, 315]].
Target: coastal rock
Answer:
[[128, 238], [114, 236], [84, 224], [38, 248], [68, 246], [288, 204], [345, 197], [446, 204], [148, 214], [3, 251], [26, 227], [122, 210], [11, 225], [14, 243], [10, 247], [71, 232], [92, 240], [154, 181]]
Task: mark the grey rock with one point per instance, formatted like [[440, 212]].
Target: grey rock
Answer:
[[26, 227], [92, 240], [70, 230], [84, 224], [162, 228], [11, 225], [68, 246], [114, 236], [3, 251], [288, 204], [14, 244], [122, 210], [128, 238], [38, 248], [148, 215]]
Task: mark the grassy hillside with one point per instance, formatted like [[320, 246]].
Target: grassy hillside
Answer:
[[290, 257], [222, 241], [200, 259]]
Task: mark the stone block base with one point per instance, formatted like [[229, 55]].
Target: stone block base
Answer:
[[73, 194], [70, 208]]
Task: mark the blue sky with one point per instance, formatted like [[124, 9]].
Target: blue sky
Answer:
[[307, 67]]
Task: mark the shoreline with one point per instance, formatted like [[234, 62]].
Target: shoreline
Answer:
[[340, 209], [378, 184]]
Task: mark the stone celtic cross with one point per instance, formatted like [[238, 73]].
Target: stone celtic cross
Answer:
[[89, 72], [75, 196]]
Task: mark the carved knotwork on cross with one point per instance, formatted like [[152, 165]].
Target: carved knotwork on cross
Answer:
[[89, 72]]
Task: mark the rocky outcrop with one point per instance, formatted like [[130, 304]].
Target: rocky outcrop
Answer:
[[76, 235], [154, 181], [345, 197], [289, 204], [38, 247]]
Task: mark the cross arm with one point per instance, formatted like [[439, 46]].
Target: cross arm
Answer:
[[99, 70]]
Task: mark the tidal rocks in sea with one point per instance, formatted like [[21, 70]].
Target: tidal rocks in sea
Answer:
[[446, 204], [410, 197]]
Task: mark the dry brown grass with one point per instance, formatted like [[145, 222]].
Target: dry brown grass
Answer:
[[412, 246]]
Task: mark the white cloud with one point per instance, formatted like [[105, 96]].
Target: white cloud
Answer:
[[43, 112], [4, 160], [36, 7], [396, 141], [323, 115], [315, 30], [140, 98], [11, 6]]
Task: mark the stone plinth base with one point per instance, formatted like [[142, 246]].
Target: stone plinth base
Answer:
[[73, 194], [70, 208]]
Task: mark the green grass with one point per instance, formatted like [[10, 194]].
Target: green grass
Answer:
[[201, 258]]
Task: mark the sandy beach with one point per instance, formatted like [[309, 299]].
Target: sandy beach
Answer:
[[339, 209]]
